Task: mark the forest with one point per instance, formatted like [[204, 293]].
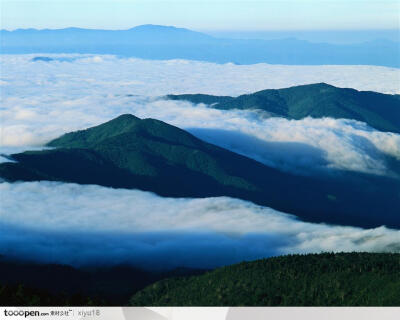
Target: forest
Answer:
[[327, 279]]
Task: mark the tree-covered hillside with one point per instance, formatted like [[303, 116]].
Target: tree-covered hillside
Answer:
[[381, 111], [148, 154], [343, 279]]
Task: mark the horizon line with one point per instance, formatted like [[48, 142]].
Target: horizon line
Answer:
[[202, 29]]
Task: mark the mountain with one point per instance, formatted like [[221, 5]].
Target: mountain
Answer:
[[144, 34], [381, 111], [163, 42], [25, 283], [343, 279], [148, 154]]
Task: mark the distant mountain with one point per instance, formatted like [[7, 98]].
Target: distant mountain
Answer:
[[144, 34], [380, 111], [343, 279], [148, 154], [162, 42]]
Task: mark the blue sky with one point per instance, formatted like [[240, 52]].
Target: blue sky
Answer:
[[203, 15]]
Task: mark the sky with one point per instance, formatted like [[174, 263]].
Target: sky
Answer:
[[203, 15]]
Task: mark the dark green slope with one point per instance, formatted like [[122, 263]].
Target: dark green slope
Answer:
[[345, 279], [381, 111], [148, 154], [24, 283]]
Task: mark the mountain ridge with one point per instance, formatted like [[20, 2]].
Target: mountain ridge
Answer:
[[378, 110], [160, 42]]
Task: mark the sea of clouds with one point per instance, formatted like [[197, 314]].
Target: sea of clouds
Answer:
[[78, 225], [87, 224], [42, 100]]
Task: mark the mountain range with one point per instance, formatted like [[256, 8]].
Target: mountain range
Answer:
[[378, 110], [148, 154], [167, 42]]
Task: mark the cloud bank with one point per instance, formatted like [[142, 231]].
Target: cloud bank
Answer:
[[80, 225], [107, 74]]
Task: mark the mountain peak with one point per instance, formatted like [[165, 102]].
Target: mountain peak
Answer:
[[314, 85], [125, 117], [123, 125], [124, 122], [170, 33], [322, 84], [82, 138], [155, 27]]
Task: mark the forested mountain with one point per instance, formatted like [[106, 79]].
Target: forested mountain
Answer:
[[148, 154], [342, 279], [380, 111]]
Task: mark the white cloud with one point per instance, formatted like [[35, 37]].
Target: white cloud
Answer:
[[87, 74], [306, 144], [77, 224], [42, 100]]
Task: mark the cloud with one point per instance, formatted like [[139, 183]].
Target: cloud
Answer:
[[309, 144], [44, 99], [80, 225], [106, 74]]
